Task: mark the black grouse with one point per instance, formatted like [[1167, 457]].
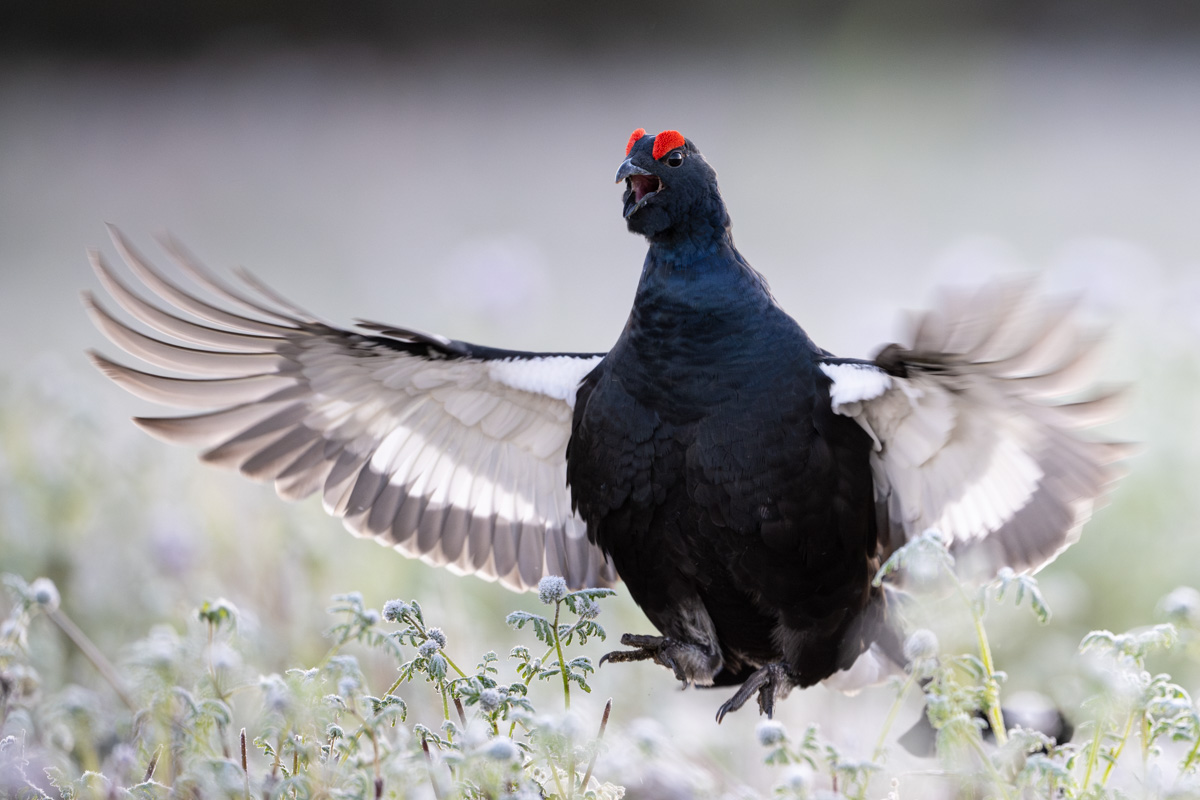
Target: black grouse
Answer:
[[744, 483]]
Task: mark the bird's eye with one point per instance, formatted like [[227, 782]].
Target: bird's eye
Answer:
[[675, 158]]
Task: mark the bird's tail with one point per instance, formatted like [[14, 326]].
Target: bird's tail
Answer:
[[1029, 710], [883, 657]]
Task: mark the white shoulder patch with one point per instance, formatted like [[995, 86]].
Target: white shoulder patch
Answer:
[[854, 383], [553, 376]]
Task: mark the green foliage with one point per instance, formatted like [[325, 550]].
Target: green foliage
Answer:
[[1127, 702], [187, 717], [556, 635], [318, 731], [1025, 584]]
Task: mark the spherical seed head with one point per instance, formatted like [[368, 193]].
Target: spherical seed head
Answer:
[[45, 593], [489, 700], [922, 644], [1182, 605], [222, 656], [394, 610], [770, 732], [275, 692], [938, 536], [799, 779], [427, 648], [587, 607], [436, 635], [551, 589], [502, 749]]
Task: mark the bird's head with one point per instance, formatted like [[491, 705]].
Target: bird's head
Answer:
[[670, 190]]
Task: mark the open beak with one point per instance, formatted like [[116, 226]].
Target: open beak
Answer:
[[640, 185]]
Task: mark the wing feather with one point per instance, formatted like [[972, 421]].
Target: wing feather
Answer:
[[176, 357], [269, 462], [209, 280], [980, 431], [185, 301], [187, 392], [182, 329], [448, 452], [208, 429]]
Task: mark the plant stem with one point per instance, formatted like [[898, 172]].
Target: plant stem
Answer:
[[562, 664], [557, 780], [1093, 755], [1120, 746], [562, 669], [529, 678], [1192, 755], [462, 715], [891, 716], [453, 666], [375, 758], [330, 653], [245, 767], [994, 715], [599, 737], [222, 695], [437, 790], [999, 781], [93, 654]]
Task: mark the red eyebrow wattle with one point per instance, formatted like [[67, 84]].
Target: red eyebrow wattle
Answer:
[[633, 137], [665, 142]]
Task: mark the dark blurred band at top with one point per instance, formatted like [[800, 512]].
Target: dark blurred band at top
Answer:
[[152, 28]]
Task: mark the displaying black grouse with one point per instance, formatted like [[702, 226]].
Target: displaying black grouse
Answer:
[[743, 483]]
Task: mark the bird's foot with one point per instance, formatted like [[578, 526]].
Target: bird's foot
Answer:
[[660, 649], [771, 682]]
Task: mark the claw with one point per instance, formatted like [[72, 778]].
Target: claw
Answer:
[[656, 648], [647, 648], [769, 681]]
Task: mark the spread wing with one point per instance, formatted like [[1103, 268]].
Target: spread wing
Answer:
[[972, 436], [446, 451]]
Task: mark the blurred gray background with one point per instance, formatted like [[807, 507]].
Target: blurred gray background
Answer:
[[449, 167]]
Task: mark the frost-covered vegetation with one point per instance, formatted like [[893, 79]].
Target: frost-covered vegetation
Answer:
[[186, 716], [122, 673]]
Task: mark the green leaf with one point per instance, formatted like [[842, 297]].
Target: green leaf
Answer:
[[217, 612], [1024, 584], [541, 626], [437, 666], [924, 554]]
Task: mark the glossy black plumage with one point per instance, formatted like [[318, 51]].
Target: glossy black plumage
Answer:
[[708, 463], [712, 474]]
